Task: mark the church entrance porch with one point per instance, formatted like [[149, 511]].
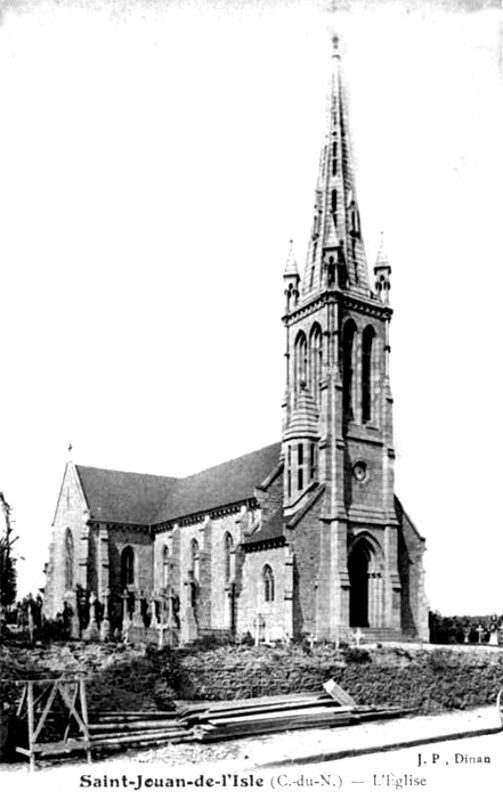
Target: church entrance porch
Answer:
[[366, 584]]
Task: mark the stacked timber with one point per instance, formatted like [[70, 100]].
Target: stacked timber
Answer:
[[229, 720], [119, 729]]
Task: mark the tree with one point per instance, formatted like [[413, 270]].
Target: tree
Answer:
[[7, 564]]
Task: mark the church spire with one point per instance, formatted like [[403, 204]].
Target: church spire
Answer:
[[336, 254]]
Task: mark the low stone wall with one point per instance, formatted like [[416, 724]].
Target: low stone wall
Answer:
[[427, 678]]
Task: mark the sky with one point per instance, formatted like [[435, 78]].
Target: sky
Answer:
[[157, 158]]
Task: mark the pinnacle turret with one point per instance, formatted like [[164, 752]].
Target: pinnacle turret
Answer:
[[382, 271], [291, 268], [291, 278]]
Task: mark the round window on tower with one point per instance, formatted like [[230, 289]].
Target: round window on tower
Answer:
[[360, 470]]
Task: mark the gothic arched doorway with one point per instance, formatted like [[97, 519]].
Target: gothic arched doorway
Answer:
[[366, 587], [358, 564]]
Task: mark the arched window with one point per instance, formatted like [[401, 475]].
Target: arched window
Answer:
[[69, 560], [194, 558], [289, 472], [228, 547], [127, 566], [348, 342], [367, 343], [315, 359], [268, 579], [300, 360], [165, 566]]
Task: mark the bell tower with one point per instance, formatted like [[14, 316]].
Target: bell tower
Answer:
[[337, 421]]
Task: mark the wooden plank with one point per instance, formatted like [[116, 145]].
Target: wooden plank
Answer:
[[56, 748], [338, 693], [147, 740], [22, 700], [379, 714], [43, 716], [286, 714], [251, 701], [74, 703], [149, 735], [109, 719], [134, 726], [31, 725], [85, 717], [323, 702], [73, 711], [280, 725], [139, 714]]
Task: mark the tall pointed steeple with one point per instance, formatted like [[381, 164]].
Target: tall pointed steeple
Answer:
[[336, 254], [338, 410]]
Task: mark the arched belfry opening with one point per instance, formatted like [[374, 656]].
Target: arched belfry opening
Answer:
[[366, 591], [348, 368]]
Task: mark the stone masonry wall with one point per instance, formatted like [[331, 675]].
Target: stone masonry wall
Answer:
[[274, 616], [71, 514], [305, 539], [427, 680], [410, 558], [143, 549], [212, 601]]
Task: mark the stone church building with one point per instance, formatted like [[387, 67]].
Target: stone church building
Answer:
[[304, 537]]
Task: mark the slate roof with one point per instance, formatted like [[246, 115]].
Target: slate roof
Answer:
[[218, 486], [269, 531], [136, 498], [114, 496]]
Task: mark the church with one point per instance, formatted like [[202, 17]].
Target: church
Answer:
[[304, 538]]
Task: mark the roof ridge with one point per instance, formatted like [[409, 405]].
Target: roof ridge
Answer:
[[219, 486], [129, 472], [230, 460]]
